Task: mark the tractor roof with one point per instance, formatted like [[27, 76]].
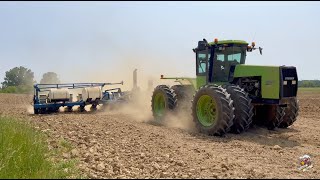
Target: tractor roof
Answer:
[[229, 42]]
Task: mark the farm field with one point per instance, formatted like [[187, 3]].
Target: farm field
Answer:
[[123, 143]]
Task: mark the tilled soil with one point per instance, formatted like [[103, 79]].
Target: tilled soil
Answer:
[[115, 144]]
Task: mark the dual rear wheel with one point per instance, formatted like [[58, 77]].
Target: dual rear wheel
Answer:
[[213, 107]]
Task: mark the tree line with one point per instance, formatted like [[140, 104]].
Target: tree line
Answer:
[[21, 80], [309, 83]]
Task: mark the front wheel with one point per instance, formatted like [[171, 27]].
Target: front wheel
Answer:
[[212, 110]]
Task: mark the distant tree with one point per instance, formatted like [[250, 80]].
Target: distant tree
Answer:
[[50, 78], [18, 76]]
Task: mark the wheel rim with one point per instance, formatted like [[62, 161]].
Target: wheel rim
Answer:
[[206, 110], [159, 104]]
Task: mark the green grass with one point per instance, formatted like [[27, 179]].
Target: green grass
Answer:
[[24, 153], [309, 89]]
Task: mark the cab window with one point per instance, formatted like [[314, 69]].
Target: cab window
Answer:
[[202, 62], [235, 57], [225, 57], [220, 57]]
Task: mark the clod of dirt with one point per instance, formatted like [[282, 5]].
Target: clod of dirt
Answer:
[[276, 147], [66, 155], [74, 153], [180, 163], [101, 167]]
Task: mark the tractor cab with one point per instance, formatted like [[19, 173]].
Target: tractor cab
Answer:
[[214, 60]]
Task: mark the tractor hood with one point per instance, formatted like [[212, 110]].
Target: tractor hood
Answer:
[[274, 79]]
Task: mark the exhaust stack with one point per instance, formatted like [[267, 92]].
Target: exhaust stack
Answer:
[[135, 80]]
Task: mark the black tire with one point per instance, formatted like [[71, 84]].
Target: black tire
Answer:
[[43, 111], [93, 107], [36, 110], [81, 108], [48, 111], [184, 95], [183, 91], [269, 115], [53, 110], [224, 107], [170, 99], [69, 109], [243, 109], [275, 116], [291, 113]]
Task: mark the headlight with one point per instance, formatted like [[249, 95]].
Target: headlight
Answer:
[[285, 82], [294, 82]]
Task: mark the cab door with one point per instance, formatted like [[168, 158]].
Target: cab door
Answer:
[[202, 68]]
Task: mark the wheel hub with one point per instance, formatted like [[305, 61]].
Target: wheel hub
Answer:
[[159, 104], [206, 110]]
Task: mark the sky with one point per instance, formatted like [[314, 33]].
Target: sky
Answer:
[[104, 41]]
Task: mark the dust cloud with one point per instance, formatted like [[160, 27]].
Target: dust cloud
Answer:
[[29, 109], [149, 68], [181, 119], [139, 109]]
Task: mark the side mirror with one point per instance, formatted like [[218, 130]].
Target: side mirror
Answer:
[[260, 50]]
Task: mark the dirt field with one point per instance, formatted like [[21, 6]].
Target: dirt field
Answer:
[[124, 144]]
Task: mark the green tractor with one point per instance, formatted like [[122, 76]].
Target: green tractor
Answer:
[[228, 95]]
